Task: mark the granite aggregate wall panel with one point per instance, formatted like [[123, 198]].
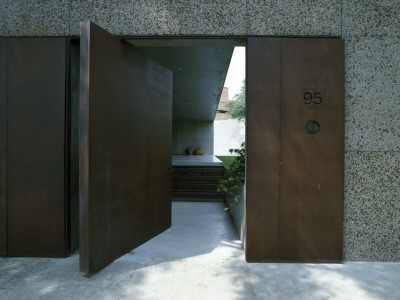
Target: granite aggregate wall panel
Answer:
[[288, 17], [371, 18], [372, 227], [372, 130], [372, 206], [35, 18], [172, 17], [372, 171], [175, 17], [119, 17], [372, 94], [3, 14], [203, 17]]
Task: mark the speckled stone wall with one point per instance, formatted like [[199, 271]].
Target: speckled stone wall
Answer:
[[172, 17], [371, 30]]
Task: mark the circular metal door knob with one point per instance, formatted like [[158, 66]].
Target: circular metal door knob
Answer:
[[312, 127]]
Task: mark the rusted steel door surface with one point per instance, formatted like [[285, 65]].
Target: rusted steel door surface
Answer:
[[3, 149], [33, 147], [295, 154], [125, 148]]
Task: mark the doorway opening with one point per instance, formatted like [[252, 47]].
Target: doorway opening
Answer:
[[207, 73], [137, 86], [277, 80]]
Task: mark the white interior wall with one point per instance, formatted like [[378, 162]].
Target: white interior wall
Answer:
[[228, 134]]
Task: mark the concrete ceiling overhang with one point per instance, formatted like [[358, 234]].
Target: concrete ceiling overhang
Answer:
[[199, 69]]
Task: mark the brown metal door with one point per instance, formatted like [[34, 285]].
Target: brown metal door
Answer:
[[125, 148], [298, 196], [3, 149], [312, 149], [262, 149], [36, 147]]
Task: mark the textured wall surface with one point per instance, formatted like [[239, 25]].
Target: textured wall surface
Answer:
[[172, 17], [371, 30], [187, 134]]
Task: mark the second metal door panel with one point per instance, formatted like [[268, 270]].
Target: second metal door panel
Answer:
[[3, 146], [36, 203], [263, 149], [295, 183], [311, 183]]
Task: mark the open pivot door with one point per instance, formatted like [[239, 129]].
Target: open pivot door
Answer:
[[125, 148]]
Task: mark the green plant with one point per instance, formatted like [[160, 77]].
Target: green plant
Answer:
[[237, 106], [230, 183], [226, 160]]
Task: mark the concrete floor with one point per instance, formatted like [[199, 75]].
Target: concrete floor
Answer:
[[198, 258]]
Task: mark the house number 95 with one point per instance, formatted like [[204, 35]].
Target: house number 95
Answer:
[[315, 98]]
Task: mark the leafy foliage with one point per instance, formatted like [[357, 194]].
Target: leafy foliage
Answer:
[[237, 106], [226, 160], [230, 183]]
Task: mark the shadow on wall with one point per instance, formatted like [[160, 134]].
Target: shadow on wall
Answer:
[[238, 212]]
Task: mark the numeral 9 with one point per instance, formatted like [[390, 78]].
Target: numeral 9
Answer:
[[307, 98]]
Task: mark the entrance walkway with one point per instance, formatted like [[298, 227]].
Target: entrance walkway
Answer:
[[198, 258]]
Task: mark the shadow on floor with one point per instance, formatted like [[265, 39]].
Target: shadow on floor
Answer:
[[199, 257]]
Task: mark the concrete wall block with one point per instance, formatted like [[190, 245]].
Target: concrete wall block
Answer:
[[372, 121], [202, 17], [193, 134], [372, 206], [186, 143], [119, 17], [175, 137], [238, 212], [34, 18], [205, 130], [288, 17], [206, 144], [371, 18], [188, 130]]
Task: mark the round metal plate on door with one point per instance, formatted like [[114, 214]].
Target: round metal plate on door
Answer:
[[312, 127]]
